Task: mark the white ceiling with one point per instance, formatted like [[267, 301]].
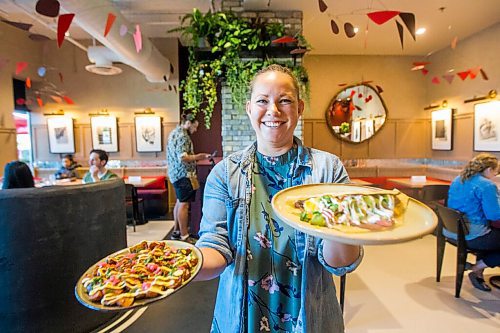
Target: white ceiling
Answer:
[[460, 18]]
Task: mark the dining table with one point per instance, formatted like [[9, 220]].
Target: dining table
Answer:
[[413, 187], [361, 182]]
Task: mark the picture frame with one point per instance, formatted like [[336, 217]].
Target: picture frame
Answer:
[[442, 129], [61, 135], [356, 131], [487, 126], [104, 131], [148, 134]]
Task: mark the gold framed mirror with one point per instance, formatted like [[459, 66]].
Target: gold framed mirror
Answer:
[[356, 113]]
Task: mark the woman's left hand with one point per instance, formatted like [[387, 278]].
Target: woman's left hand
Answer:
[[339, 254]]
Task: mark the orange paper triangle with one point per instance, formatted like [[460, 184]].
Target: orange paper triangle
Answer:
[[473, 72], [28, 83], [68, 100], [39, 101]]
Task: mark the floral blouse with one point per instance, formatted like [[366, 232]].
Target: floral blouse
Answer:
[[273, 268]]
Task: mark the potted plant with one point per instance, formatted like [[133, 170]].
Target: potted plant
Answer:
[[197, 27]]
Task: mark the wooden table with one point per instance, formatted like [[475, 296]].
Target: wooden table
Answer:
[[361, 182], [142, 183], [414, 189]]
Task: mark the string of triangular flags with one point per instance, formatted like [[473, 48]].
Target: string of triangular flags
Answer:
[[379, 18]]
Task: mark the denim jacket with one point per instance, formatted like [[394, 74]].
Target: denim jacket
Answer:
[[226, 207]]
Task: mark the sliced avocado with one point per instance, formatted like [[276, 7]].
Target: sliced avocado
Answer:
[[318, 219]]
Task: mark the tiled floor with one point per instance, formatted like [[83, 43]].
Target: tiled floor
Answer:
[[393, 291]]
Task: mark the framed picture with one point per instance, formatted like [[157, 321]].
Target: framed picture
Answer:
[[104, 133], [442, 129], [487, 126], [356, 131], [148, 134], [61, 135]]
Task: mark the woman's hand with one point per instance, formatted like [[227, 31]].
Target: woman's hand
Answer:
[[339, 254]]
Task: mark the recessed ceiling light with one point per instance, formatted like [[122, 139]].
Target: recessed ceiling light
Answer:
[[420, 31], [356, 29], [66, 34]]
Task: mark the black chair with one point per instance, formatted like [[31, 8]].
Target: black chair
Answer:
[[132, 199], [455, 222], [435, 193]]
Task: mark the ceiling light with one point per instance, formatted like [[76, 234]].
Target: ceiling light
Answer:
[[356, 29], [420, 31], [66, 34]]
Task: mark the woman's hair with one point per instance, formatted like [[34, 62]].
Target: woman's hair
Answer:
[[17, 175], [185, 117], [478, 164], [276, 68]]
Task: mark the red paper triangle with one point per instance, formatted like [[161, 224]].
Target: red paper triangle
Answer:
[[68, 100], [473, 72], [28, 83], [449, 78], [435, 80], [21, 66], [322, 6], [463, 75], [285, 39], [63, 24], [382, 16], [109, 23], [425, 71]]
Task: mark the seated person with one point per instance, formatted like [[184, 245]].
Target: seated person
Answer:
[[17, 175], [68, 168], [476, 195], [97, 160]]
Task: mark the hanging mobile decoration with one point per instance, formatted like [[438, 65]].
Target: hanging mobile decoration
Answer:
[[109, 23], [48, 8], [349, 30], [335, 27], [322, 6]]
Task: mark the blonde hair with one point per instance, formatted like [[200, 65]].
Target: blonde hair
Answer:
[[277, 68], [478, 164]]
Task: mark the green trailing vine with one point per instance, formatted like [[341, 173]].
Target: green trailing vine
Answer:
[[229, 36]]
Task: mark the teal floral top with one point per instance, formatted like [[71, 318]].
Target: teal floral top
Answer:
[[179, 144], [273, 268]]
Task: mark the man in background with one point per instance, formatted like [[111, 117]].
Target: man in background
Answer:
[[97, 161], [181, 161]]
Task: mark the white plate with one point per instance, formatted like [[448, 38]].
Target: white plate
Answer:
[[417, 221]]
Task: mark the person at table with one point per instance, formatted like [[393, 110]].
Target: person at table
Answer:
[[181, 161], [475, 194], [68, 168], [17, 174], [272, 277], [97, 160]]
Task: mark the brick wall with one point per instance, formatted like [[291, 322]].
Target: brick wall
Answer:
[[237, 132]]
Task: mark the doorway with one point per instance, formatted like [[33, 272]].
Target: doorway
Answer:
[[23, 136]]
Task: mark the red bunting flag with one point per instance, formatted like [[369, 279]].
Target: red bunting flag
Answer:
[[21, 66], [28, 82], [449, 78], [109, 23], [39, 101], [68, 100], [473, 72], [382, 16], [63, 24], [425, 71], [435, 80], [285, 39], [463, 75]]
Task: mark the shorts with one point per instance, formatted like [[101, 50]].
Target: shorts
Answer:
[[184, 191]]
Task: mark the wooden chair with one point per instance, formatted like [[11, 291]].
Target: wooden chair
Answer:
[[132, 199], [455, 222]]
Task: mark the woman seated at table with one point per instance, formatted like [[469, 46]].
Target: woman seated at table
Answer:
[[97, 160], [68, 168], [476, 195], [17, 175]]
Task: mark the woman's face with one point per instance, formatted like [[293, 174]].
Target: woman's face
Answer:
[[66, 162], [274, 110], [490, 173]]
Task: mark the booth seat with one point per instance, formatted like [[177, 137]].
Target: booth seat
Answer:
[[155, 196], [50, 236]]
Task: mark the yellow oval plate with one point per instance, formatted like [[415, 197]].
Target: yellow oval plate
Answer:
[[83, 297], [417, 221]]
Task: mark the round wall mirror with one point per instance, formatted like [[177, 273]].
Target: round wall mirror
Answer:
[[356, 113]]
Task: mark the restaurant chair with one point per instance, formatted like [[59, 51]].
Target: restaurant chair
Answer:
[[132, 199], [435, 193], [455, 222]]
